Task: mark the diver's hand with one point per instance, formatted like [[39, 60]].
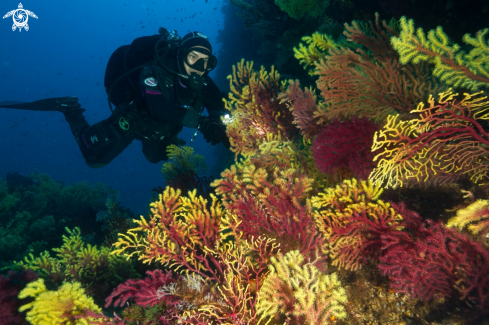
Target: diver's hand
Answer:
[[214, 131]]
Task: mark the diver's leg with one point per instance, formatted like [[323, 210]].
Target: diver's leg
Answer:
[[101, 142], [60, 104]]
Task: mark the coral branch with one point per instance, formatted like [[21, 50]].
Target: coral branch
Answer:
[[346, 144], [475, 216], [453, 66], [271, 205], [370, 82], [256, 110], [445, 142], [144, 292], [302, 104], [177, 234]]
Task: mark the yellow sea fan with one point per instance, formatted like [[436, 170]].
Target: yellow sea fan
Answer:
[[476, 216], [453, 65], [300, 292], [343, 199], [182, 160], [317, 48], [57, 307]]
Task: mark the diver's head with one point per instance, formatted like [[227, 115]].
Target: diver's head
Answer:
[[195, 54]]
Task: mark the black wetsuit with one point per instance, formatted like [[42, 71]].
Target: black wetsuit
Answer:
[[152, 105]]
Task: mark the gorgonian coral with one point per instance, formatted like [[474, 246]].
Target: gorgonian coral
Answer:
[[446, 142], [353, 220], [67, 305], [371, 81], [256, 110], [475, 217], [427, 260], [272, 205], [346, 144], [297, 291], [453, 65]]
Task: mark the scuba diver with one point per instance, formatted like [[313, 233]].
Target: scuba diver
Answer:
[[158, 84]]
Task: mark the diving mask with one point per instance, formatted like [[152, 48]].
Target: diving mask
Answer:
[[200, 64]]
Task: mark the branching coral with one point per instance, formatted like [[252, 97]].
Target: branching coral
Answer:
[[182, 161], [430, 260], [370, 82], [445, 142], [453, 66], [77, 261], [302, 104], [317, 49], [272, 205], [256, 110], [196, 237], [346, 144], [299, 291], [353, 221], [182, 171], [246, 265], [67, 305], [178, 232], [475, 216], [145, 292], [285, 154]]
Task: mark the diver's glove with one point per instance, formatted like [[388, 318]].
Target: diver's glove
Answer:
[[214, 131]]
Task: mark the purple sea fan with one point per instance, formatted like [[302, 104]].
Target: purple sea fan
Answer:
[[346, 144]]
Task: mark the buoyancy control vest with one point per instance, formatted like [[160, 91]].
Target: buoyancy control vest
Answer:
[[123, 83], [122, 72]]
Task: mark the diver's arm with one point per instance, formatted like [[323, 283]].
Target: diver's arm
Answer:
[[212, 128], [213, 100]]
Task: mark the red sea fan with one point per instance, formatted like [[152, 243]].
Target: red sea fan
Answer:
[[346, 144], [422, 267], [302, 104], [146, 292], [10, 287], [428, 260]]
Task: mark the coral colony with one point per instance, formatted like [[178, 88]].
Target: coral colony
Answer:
[[313, 223]]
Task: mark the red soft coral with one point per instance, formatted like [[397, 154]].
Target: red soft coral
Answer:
[[428, 260], [346, 144], [10, 287], [146, 292], [302, 104]]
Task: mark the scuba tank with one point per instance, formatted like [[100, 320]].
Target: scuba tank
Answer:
[[122, 71]]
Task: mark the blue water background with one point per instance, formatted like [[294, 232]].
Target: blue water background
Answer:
[[65, 53]]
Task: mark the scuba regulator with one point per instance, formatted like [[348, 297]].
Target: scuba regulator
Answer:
[[195, 80]]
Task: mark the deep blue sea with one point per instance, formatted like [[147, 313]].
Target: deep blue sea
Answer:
[[65, 53]]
